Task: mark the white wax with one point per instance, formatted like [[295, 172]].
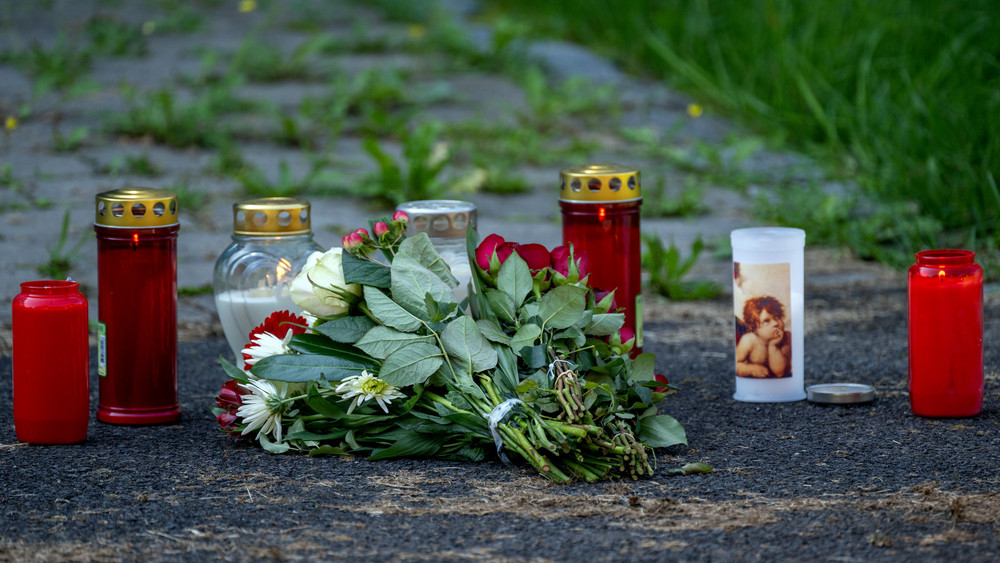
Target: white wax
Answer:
[[759, 248], [460, 268], [240, 312]]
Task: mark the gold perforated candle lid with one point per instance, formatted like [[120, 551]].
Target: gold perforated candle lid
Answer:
[[136, 208], [272, 216], [599, 183]]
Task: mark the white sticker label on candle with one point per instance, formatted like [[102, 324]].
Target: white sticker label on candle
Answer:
[[762, 299], [102, 349]]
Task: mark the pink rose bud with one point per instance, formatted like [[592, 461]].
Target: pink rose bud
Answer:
[[352, 241], [381, 229], [363, 233], [400, 217], [226, 421], [230, 397], [486, 249]]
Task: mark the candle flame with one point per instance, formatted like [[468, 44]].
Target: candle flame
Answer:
[[135, 241], [284, 266], [601, 213], [941, 274]]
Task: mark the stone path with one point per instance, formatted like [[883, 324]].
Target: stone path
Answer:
[[39, 183]]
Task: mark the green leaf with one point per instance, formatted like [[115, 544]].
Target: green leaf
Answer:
[[411, 364], [605, 324], [501, 304], [642, 368], [420, 248], [534, 356], [307, 367], [345, 329], [272, 447], [324, 406], [365, 272], [492, 331], [388, 312], [411, 282], [232, 371], [382, 341], [466, 345], [526, 385], [661, 431], [562, 307], [525, 336], [321, 345], [645, 394], [514, 279], [411, 444]]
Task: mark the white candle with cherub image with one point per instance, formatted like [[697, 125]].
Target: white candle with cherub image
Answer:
[[768, 299]]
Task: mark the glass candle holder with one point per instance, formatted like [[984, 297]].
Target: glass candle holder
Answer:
[[137, 306], [446, 221], [768, 303], [945, 290], [51, 360], [272, 239], [600, 214]]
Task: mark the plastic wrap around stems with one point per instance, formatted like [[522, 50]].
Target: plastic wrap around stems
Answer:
[[768, 306]]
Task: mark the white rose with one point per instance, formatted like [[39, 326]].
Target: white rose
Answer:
[[319, 286]]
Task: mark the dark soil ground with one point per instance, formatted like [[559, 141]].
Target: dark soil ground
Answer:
[[791, 481]]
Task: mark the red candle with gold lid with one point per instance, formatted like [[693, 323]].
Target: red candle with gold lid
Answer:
[[137, 306], [600, 212]]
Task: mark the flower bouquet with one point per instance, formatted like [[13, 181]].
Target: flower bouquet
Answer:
[[534, 364]]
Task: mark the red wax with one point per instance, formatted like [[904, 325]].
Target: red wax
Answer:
[[946, 334], [137, 306], [51, 363], [609, 233]]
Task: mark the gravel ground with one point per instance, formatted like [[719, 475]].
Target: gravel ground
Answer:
[[792, 481]]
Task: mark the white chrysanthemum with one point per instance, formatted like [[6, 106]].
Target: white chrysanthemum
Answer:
[[366, 387], [263, 408], [265, 345]]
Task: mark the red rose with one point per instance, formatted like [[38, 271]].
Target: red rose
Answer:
[[536, 255], [561, 262], [486, 249]]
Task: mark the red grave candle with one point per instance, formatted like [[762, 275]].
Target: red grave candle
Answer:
[[946, 334], [51, 363], [137, 306], [600, 213]]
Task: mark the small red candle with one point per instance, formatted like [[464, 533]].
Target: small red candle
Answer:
[[137, 306], [600, 213], [51, 363], [946, 334]]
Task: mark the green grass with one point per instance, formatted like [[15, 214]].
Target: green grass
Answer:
[[904, 97]]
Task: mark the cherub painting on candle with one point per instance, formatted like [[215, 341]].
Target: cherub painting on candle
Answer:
[[763, 337]]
